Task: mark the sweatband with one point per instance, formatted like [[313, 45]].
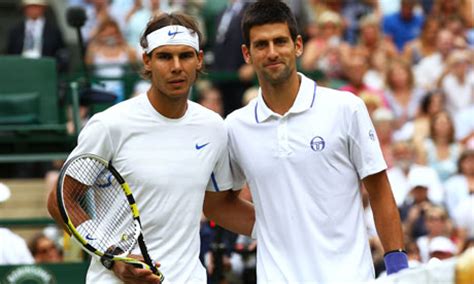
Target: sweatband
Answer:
[[172, 35], [395, 261]]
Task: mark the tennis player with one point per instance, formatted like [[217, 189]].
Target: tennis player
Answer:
[[173, 153], [303, 150]]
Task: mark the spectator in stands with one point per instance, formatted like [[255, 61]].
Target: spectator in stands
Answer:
[[460, 186], [445, 10], [137, 18], [440, 150], [457, 81], [404, 25], [323, 51], [38, 36], [383, 120], [226, 48], [355, 68], [424, 45], [402, 95], [413, 253], [97, 12], [416, 204], [13, 249], [353, 12], [431, 103], [210, 97], [442, 248], [372, 40], [429, 69], [109, 54], [44, 250], [405, 168], [465, 126], [437, 224]]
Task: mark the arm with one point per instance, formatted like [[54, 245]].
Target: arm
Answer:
[[387, 219], [71, 188], [230, 211]]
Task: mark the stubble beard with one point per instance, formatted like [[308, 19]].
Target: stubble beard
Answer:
[[277, 78]]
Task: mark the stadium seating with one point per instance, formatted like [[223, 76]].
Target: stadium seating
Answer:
[[32, 120]]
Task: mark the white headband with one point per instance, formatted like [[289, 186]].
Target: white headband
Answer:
[[172, 35]]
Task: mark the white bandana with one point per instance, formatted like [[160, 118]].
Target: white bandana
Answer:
[[172, 35]]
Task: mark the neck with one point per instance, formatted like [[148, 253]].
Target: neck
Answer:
[[170, 108], [280, 97]]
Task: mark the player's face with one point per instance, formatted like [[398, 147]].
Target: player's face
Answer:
[[173, 69], [272, 52]]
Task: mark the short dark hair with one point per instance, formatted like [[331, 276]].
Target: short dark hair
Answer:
[[163, 20], [267, 12]]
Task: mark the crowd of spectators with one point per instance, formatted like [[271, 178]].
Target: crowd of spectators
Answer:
[[412, 62]]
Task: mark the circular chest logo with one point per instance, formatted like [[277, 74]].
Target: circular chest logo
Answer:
[[317, 144]]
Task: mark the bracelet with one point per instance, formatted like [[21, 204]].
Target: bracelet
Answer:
[[395, 250]]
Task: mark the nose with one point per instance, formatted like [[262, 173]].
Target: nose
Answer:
[[176, 67], [272, 52]]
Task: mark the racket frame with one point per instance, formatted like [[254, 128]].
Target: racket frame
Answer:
[[138, 238]]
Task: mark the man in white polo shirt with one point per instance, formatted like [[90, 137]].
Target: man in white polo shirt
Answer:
[[303, 150], [173, 153]]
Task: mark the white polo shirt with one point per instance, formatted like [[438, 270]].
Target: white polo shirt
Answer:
[[303, 169], [169, 164]]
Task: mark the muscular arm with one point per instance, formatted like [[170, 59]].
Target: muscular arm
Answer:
[[230, 211], [387, 218]]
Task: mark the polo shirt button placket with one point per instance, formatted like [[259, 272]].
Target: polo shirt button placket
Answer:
[[283, 144]]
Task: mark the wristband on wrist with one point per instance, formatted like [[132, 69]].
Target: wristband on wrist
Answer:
[[395, 260]]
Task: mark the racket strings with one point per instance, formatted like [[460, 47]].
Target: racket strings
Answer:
[[96, 203]]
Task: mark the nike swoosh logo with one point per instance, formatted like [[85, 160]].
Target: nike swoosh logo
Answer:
[[170, 33], [199, 147], [90, 238]]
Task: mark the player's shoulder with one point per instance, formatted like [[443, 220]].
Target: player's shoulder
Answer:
[[203, 114], [243, 114], [330, 96]]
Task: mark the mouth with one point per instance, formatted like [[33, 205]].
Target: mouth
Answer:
[[176, 82], [273, 65]]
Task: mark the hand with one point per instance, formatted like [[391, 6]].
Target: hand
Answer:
[[130, 274]]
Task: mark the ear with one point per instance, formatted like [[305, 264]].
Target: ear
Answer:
[[200, 57], [299, 46], [246, 54], [146, 61]]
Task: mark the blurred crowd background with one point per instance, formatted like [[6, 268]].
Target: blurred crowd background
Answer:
[[411, 62]]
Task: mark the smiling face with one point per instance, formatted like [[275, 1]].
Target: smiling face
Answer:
[[173, 70], [272, 52]]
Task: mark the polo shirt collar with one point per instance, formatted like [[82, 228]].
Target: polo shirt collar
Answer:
[[304, 101]]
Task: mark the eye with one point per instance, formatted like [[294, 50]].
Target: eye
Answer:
[[281, 41], [260, 44], [163, 56], [186, 55]]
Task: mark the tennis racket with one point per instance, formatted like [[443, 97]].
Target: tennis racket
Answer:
[[100, 212]]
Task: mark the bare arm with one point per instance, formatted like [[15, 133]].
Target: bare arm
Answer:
[[230, 211], [71, 188], [387, 218]]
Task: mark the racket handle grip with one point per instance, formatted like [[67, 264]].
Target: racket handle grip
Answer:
[[153, 268]]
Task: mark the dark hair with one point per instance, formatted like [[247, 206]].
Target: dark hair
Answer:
[[163, 20], [464, 155], [267, 12]]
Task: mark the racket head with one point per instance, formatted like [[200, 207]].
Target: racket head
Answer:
[[97, 206]]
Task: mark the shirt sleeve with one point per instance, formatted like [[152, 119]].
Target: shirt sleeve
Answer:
[[94, 139], [221, 177], [364, 148]]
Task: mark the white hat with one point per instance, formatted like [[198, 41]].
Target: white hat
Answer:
[[5, 192], [34, 2], [442, 244], [419, 177]]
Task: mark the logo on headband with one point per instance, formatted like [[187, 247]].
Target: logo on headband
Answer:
[[170, 33]]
